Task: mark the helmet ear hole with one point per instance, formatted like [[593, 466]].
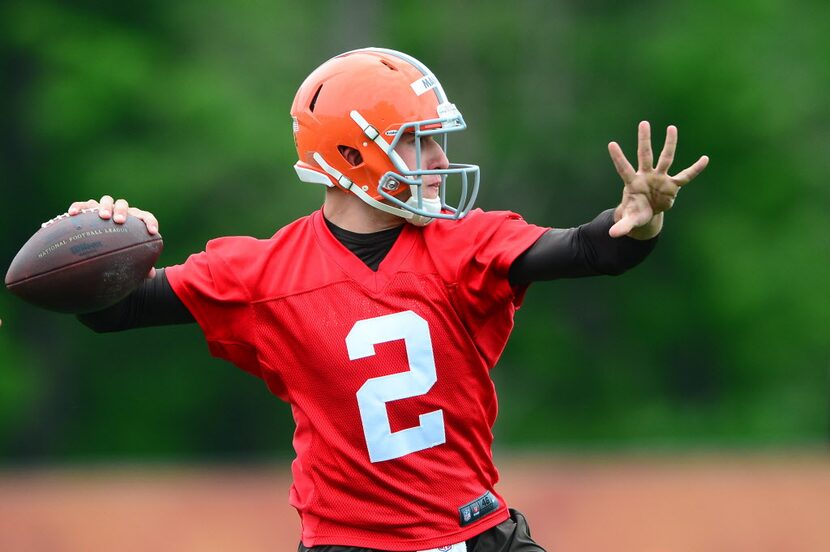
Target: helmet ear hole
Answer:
[[351, 155]]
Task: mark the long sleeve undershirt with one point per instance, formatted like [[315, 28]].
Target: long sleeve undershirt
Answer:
[[587, 250]]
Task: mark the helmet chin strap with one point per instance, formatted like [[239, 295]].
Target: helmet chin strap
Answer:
[[431, 205]]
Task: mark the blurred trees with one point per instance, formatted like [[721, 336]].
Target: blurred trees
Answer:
[[719, 339]]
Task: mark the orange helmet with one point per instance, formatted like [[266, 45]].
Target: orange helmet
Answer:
[[368, 99]]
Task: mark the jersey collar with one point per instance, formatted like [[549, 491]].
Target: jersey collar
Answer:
[[356, 269]]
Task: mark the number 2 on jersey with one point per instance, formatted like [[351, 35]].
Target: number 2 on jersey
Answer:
[[382, 442]]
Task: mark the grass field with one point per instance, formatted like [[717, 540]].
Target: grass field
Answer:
[[703, 503]]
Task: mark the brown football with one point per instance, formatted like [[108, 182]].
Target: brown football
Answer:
[[83, 263]]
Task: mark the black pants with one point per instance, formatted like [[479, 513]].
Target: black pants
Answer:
[[512, 535]]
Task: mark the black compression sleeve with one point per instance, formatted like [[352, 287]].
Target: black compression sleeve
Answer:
[[584, 251], [154, 303]]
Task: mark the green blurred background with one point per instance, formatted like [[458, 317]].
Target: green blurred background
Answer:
[[719, 340]]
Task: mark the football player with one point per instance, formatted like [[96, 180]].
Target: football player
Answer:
[[379, 316]]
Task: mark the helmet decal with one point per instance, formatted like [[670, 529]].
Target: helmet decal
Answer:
[[427, 82]]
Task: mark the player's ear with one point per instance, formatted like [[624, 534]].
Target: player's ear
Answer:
[[351, 155]]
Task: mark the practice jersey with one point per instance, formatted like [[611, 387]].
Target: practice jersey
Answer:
[[386, 372]]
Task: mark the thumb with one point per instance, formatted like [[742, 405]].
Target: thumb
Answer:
[[622, 227]]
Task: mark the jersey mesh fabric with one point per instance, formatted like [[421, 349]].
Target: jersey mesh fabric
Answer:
[[283, 308]]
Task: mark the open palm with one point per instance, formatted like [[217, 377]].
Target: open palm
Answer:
[[649, 190]]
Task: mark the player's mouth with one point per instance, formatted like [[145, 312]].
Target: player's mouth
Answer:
[[432, 189]]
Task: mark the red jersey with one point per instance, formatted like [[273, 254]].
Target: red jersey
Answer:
[[387, 372]]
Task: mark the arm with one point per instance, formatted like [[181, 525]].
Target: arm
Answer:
[[575, 252], [154, 303], [616, 240]]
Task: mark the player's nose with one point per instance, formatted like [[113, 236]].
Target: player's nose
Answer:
[[435, 157]]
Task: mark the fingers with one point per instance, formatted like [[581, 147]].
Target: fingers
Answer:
[[667, 155], [624, 168], [79, 206], [117, 210], [644, 155], [148, 218], [687, 175], [105, 207], [622, 227], [120, 210]]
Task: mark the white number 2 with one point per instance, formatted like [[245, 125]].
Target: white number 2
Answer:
[[382, 442]]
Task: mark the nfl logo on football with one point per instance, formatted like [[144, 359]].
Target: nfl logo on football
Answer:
[[465, 513]]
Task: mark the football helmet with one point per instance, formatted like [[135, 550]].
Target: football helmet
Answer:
[[368, 99]]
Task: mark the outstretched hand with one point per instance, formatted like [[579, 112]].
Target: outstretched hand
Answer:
[[650, 190]]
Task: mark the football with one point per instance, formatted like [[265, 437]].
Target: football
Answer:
[[83, 263]]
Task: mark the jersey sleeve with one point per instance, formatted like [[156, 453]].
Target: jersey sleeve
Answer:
[[474, 256], [211, 285], [498, 238]]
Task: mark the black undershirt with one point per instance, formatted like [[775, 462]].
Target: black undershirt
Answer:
[[559, 253], [369, 248]]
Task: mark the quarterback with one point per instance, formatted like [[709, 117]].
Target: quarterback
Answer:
[[379, 316]]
